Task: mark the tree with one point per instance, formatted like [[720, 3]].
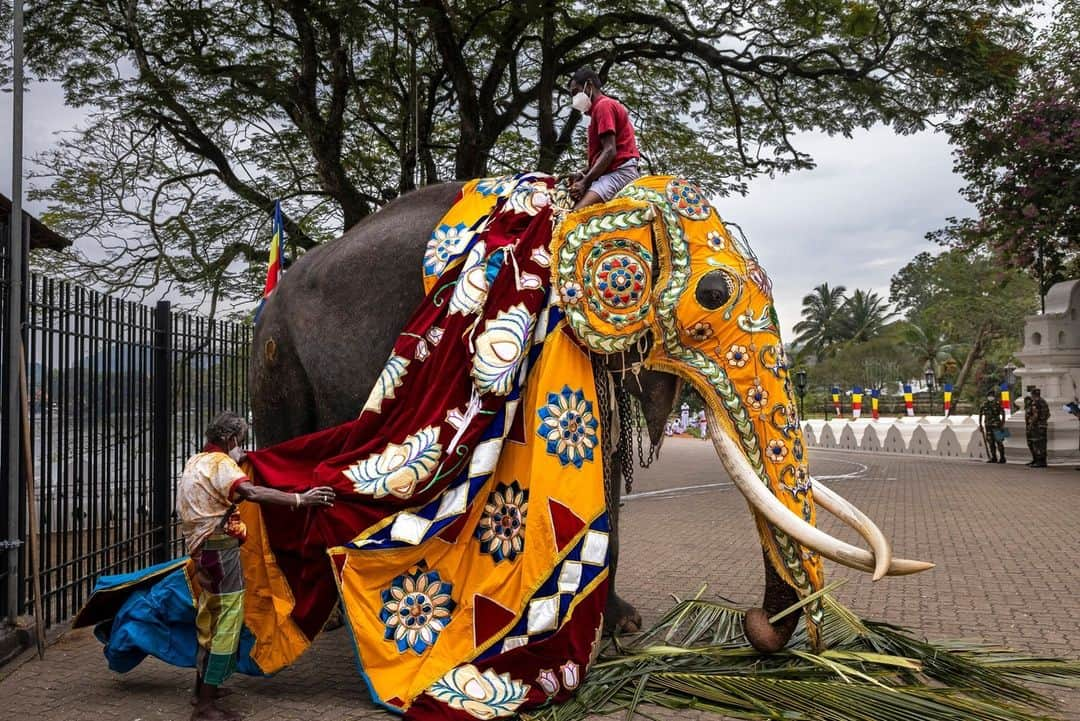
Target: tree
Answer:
[[863, 316], [822, 314], [874, 363], [928, 346], [1021, 161], [336, 106], [965, 300]]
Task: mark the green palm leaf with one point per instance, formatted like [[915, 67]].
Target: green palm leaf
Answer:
[[696, 657]]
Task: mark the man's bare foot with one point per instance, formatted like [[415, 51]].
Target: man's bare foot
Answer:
[[211, 712], [219, 692]]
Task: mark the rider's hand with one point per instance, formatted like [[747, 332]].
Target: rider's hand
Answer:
[[578, 189]]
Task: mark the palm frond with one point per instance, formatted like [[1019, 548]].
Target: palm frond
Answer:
[[696, 657]]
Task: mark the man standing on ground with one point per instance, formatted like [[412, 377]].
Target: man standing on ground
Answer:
[[210, 488], [613, 151], [992, 423], [1040, 412]]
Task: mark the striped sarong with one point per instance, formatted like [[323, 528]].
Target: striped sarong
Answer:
[[220, 613]]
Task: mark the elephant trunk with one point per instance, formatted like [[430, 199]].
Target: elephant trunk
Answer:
[[764, 636]]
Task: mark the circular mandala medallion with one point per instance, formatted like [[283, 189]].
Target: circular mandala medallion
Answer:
[[687, 200], [617, 276]]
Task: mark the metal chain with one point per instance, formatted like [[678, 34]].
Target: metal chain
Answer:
[[603, 412], [642, 460], [625, 449]]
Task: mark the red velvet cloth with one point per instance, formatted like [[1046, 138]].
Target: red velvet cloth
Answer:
[[299, 538]]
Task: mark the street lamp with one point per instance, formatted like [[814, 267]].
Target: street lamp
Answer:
[[800, 388], [1010, 375], [930, 387]]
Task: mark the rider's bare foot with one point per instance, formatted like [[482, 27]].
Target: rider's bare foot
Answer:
[[219, 692], [211, 712]]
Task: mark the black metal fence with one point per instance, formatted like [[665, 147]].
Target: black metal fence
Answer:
[[119, 395]]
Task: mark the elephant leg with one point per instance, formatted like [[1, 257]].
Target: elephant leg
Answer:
[[767, 637], [619, 615]]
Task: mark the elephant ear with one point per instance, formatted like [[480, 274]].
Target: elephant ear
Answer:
[[602, 272]]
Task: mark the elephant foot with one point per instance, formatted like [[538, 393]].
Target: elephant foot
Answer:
[[620, 617], [767, 637]]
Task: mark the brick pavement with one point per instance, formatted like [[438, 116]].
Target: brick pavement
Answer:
[[1006, 540]]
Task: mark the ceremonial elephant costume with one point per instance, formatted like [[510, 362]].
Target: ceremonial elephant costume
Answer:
[[653, 286]]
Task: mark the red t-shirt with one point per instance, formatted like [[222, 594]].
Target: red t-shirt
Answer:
[[608, 115]]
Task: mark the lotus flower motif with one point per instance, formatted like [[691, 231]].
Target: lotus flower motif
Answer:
[[446, 242], [569, 426], [496, 186], [501, 530], [484, 695], [416, 608], [500, 350], [472, 285], [529, 198], [400, 467], [388, 381]]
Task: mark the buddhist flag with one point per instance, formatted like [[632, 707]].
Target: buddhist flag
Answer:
[[836, 400], [948, 398], [1005, 405], [856, 402], [273, 270], [874, 395], [909, 402]]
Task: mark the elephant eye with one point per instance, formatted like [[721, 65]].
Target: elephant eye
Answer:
[[715, 289]]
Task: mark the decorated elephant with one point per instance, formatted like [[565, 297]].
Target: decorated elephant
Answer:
[[656, 289]]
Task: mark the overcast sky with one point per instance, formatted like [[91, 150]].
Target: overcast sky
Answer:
[[854, 220]]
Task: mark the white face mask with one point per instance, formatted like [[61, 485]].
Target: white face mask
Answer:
[[581, 102], [235, 452]]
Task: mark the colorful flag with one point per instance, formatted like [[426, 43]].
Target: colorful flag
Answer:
[[948, 398], [874, 395], [1005, 405], [909, 402], [836, 400], [856, 402], [273, 270]]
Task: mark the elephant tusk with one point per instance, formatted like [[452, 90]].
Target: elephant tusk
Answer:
[[779, 515], [847, 512]]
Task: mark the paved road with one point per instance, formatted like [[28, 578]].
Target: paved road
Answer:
[[1006, 540]]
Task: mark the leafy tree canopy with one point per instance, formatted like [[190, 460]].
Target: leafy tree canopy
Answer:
[[205, 112], [1021, 160], [965, 300]]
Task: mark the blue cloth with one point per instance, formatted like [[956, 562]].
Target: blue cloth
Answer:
[[157, 620]]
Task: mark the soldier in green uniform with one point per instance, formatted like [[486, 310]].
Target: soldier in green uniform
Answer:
[[992, 424], [1029, 426], [1040, 412]]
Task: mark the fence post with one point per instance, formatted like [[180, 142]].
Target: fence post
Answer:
[[161, 377]]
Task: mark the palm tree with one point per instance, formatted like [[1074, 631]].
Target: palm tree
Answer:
[[864, 316], [822, 314], [929, 345]]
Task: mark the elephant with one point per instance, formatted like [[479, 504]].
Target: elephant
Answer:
[[326, 331]]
